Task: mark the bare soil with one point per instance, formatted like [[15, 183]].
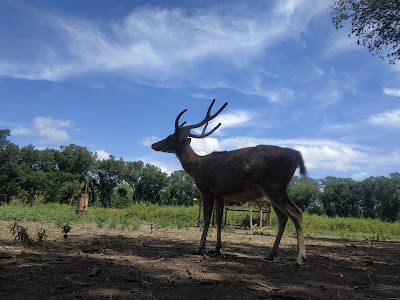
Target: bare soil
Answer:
[[101, 263]]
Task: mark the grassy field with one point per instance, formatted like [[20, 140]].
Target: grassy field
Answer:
[[184, 217]]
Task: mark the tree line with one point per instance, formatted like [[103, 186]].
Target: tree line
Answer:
[[51, 175], [373, 197]]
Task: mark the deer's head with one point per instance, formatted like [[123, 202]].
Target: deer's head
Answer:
[[182, 134]]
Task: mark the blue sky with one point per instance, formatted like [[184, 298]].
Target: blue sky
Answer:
[[113, 76]]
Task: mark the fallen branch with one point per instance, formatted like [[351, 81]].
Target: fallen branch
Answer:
[[275, 289], [69, 279]]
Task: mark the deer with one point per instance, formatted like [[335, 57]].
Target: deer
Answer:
[[239, 175]]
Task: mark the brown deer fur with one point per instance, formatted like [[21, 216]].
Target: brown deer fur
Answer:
[[240, 175]]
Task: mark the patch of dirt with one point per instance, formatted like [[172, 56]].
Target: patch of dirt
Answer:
[[100, 263]]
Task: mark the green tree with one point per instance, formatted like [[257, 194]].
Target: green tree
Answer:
[[32, 181], [151, 185], [375, 23], [31, 178], [4, 134], [387, 192], [132, 173], [71, 190], [122, 196], [10, 170], [340, 197], [180, 189], [110, 173], [49, 160], [76, 160], [368, 200], [305, 193]]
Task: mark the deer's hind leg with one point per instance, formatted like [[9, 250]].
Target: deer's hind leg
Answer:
[[281, 202], [282, 220], [219, 211]]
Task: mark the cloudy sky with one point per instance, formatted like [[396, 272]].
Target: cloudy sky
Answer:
[[113, 76]]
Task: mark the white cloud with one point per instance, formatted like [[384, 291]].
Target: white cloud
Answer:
[[359, 176], [158, 45], [340, 158], [391, 92], [149, 140], [52, 128], [272, 95], [238, 118], [22, 131], [342, 43], [387, 119], [165, 167], [205, 146], [235, 118], [279, 95], [327, 97], [102, 154]]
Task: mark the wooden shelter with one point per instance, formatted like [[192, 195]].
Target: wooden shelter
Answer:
[[245, 207]]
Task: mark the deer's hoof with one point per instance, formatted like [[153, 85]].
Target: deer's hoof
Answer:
[[270, 256], [195, 252], [299, 261]]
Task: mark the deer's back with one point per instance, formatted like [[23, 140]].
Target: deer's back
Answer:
[[237, 170]]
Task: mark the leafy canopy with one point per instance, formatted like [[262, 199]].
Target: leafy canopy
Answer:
[[375, 23]]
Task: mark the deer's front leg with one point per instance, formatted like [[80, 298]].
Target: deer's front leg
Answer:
[[219, 211], [208, 205]]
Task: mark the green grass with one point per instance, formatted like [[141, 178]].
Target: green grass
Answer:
[[184, 217], [128, 218]]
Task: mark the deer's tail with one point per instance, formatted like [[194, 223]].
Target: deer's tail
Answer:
[[302, 166]]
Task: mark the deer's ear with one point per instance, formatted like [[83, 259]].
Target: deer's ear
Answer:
[[184, 134]]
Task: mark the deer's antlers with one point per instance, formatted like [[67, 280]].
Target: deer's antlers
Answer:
[[207, 118]]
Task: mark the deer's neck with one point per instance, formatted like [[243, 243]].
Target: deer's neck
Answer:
[[189, 159]]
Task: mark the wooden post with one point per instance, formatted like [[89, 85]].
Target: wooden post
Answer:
[[260, 219], [250, 216], [270, 222], [83, 202], [198, 218]]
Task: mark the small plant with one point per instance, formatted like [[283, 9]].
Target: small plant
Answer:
[[65, 230], [135, 225], [14, 228], [228, 229], [20, 233], [261, 233], [41, 235], [114, 222], [100, 220]]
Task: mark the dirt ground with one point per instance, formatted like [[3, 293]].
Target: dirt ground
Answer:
[[101, 263]]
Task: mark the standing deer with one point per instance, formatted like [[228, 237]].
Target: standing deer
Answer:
[[239, 175]]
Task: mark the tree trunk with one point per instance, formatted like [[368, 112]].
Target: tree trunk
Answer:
[[32, 197], [70, 200]]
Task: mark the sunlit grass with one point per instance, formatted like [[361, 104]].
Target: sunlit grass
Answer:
[[184, 217]]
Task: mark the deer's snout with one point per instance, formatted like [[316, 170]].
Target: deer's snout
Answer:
[[156, 147]]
